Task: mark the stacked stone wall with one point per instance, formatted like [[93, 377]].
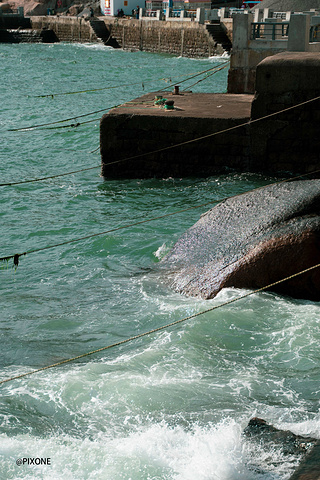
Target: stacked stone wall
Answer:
[[176, 38], [188, 39], [67, 29]]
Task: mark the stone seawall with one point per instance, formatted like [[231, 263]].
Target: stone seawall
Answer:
[[67, 29], [188, 39]]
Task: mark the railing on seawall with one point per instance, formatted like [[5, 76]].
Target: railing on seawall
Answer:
[[170, 14], [198, 15], [301, 33], [151, 14], [269, 31], [279, 30]]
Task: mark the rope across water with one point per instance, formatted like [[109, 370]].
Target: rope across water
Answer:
[[17, 256], [134, 157], [158, 329]]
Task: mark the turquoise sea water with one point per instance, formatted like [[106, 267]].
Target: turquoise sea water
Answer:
[[169, 406]]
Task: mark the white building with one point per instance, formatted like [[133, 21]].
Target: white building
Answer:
[[111, 7]]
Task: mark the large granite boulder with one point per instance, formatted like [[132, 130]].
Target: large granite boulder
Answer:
[[250, 241]]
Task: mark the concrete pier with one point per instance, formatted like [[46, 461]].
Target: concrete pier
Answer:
[[140, 127], [267, 140]]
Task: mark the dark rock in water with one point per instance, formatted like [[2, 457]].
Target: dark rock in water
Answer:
[[250, 241], [261, 431], [309, 468]]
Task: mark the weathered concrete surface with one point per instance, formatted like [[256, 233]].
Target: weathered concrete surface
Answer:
[[309, 469], [284, 142], [140, 127], [290, 140], [247, 53], [250, 241]]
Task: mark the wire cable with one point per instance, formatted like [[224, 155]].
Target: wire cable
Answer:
[[190, 75], [31, 127], [17, 256], [205, 78], [204, 71], [166, 148], [158, 329]]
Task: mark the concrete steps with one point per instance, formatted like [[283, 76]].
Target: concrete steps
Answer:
[[101, 31], [217, 31]]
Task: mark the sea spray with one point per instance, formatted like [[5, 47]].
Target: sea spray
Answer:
[[168, 406]]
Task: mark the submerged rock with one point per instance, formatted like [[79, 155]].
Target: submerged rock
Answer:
[[250, 241], [307, 448], [259, 430]]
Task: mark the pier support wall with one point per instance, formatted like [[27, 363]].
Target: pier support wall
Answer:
[[208, 157], [289, 141], [126, 133], [279, 130]]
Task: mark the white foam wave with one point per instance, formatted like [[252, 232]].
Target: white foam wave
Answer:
[[156, 451], [161, 251], [224, 55]]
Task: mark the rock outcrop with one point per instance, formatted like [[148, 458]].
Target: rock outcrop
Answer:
[[264, 433], [250, 241], [41, 7], [307, 448]]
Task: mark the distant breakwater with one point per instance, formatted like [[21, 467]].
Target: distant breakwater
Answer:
[[188, 39]]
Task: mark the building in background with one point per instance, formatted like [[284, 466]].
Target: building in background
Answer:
[[112, 7]]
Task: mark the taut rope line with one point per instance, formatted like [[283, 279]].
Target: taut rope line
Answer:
[[189, 75], [154, 330], [31, 127], [17, 256], [205, 78], [161, 149]]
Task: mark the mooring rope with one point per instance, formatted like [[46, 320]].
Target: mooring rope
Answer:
[[205, 78], [32, 127], [164, 79], [41, 179], [77, 124], [158, 329], [17, 256], [164, 148], [204, 71]]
